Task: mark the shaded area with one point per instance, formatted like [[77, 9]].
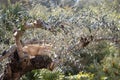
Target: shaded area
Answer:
[[16, 68]]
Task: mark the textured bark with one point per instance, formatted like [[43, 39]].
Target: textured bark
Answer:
[[16, 68], [8, 52]]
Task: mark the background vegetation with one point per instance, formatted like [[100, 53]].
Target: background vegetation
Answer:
[[100, 60]]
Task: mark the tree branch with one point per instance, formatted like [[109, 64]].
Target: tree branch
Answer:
[[112, 39], [85, 41], [10, 51], [15, 69]]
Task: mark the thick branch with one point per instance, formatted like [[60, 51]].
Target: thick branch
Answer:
[[15, 69], [10, 51], [112, 39], [84, 41]]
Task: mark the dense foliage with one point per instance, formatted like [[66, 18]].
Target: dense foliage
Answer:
[[100, 60]]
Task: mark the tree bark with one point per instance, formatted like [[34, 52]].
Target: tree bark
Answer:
[[16, 68]]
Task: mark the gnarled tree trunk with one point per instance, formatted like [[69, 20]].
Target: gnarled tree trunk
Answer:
[[19, 63], [15, 69]]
